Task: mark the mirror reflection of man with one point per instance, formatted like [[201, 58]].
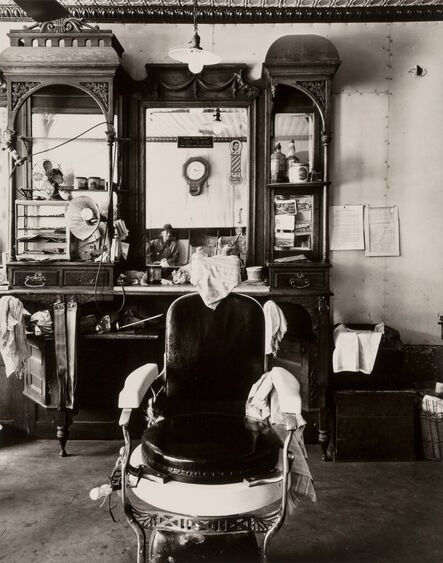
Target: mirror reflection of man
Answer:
[[164, 247]]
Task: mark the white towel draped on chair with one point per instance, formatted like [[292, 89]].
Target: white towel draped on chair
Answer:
[[215, 277], [275, 327], [275, 396]]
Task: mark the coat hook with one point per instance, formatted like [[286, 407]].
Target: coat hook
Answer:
[[417, 70]]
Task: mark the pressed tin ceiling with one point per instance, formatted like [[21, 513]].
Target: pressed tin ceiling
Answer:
[[242, 11]]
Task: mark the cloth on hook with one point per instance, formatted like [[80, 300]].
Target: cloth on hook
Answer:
[[65, 339], [356, 350], [276, 397], [275, 326], [215, 277], [13, 345]]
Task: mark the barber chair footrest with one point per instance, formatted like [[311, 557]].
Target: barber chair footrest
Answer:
[[182, 547]]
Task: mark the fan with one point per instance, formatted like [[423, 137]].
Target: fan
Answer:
[[43, 10], [47, 178], [83, 217]]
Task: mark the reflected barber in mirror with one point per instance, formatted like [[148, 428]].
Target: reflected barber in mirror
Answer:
[[163, 248]]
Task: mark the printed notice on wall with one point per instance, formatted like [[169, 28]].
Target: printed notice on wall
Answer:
[[382, 231], [346, 223]]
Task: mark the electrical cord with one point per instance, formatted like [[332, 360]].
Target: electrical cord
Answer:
[[123, 303], [70, 140], [109, 204]]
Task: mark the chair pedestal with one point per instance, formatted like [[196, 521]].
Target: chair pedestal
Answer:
[[183, 547]]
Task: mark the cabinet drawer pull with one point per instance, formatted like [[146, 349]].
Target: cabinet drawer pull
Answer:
[[36, 280], [300, 281]]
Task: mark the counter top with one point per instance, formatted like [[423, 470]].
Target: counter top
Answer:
[[245, 287]]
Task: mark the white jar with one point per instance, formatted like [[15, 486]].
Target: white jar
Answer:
[[254, 273], [298, 172]]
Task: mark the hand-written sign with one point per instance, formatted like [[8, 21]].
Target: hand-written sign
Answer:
[[195, 142]]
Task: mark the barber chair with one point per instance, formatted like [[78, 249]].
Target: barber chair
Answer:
[[205, 479]]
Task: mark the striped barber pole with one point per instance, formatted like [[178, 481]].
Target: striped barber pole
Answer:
[[235, 147]]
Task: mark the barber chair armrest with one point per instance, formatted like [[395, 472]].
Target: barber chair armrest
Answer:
[[136, 385]]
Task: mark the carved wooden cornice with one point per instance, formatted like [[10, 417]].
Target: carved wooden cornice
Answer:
[[243, 11], [223, 81]]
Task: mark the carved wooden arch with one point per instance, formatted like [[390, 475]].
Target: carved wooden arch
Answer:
[[29, 88], [303, 86]]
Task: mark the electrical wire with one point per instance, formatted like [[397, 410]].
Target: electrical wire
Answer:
[[70, 140], [123, 303], [109, 205]]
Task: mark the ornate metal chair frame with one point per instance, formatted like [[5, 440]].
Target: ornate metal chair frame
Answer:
[[135, 474]]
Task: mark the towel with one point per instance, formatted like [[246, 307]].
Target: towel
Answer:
[[13, 345], [65, 335], [275, 326], [215, 277], [356, 350], [276, 397]]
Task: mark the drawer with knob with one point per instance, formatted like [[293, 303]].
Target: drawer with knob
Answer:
[[87, 277], [299, 279], [33, 278], [68, 275]]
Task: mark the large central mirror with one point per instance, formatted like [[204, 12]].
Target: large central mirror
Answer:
[[198, 178]]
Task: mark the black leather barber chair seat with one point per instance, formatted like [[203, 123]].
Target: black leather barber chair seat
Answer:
[[205, 478]]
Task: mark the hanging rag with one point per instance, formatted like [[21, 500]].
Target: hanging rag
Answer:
[[13, 345], [276, 397], [65, 338], [275, 327], [215, 277], [356, 350]]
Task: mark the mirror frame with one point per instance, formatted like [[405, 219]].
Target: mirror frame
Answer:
[[172, 85]]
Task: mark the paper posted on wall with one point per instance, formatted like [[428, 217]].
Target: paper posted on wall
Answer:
[[346, 227], [382, 231]]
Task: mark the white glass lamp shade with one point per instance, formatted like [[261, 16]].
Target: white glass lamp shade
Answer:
[[217, 127], [194, 56]]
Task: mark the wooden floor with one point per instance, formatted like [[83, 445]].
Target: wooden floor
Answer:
[[366, 512]]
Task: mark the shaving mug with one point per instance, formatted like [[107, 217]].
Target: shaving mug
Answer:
[[254, 273]]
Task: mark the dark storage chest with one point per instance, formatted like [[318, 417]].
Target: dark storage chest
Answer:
[[375, 425]]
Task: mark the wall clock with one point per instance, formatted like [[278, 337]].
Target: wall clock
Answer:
[[196, 171]]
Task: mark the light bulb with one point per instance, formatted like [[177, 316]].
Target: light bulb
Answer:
[[195, 66], [86, 214], [217, 127]]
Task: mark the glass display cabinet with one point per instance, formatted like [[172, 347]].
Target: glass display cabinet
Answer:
[[60, 136], [298, 71]]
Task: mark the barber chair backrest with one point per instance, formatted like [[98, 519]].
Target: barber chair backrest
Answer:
[[213, 356]]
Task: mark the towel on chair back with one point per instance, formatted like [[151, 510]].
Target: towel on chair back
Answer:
[[215, 277], [275, 396]]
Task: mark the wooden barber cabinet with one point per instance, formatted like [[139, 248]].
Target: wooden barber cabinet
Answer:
[[242, 165]]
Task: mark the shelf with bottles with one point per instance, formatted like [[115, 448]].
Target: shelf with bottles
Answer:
[[297, 185]]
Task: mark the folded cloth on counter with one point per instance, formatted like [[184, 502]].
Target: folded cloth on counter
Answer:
[[13, 345], [275, 326], [356, 350], [276, 397], [215, 277]]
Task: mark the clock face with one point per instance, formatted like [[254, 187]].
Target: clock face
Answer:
[[195, 170]]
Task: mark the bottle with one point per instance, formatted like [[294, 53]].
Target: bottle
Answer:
[[278, 165], [292, 157]]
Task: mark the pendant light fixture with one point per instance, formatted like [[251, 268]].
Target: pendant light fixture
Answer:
[[217, 124], [195, 57]]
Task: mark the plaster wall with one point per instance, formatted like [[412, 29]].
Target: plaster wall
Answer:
[[386, 150]]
